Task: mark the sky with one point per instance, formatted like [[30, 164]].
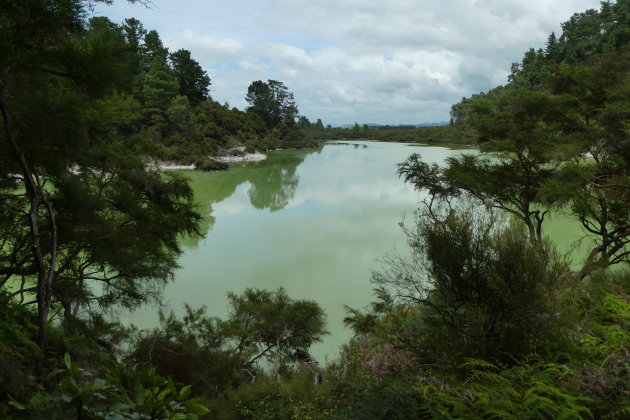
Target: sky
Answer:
[[365, 61]]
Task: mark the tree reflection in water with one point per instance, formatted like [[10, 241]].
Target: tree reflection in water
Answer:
[[274, 189], [273, 183]]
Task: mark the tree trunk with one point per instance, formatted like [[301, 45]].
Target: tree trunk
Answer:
[[34, 193], [277, 359]]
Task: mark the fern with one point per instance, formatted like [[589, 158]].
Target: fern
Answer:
[[527, 391]]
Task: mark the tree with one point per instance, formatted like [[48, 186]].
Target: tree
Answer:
[[40, 52], [531, 72], [159, 89], [272, 101], [552, 51], [596, 186], [264, 324], [480, 288], [557, 134], [212, 353], [153, 47], [525, 155], [193, 80], [134, 33], [83, 198], [303, 122]]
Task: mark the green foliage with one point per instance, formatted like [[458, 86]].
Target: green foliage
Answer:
[[294, 398], [208, 164], [90, 188], [153, 48], [446, 134], [191, 350], [271, 325], [525, 391], [390, 399], [273, 102], [485, 289], [117, 395], [214, 355], [159, 89], [193, 80], [601, 339], [18, 352]]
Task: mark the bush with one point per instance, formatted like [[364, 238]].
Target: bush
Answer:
[[483, 288], [531, 390], [19, 354], [120, 394], [208, 164]]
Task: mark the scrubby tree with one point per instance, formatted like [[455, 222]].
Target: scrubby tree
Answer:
[[270, 325], [482, 289], [524, 154], [216, 354]]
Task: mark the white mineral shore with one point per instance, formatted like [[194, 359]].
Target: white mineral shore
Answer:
[[249, 157], [173, 166], [170, 166]]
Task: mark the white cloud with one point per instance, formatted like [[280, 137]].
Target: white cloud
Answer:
[[361, 60], [206, 47]]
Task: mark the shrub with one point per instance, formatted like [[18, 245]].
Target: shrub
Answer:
[[208, 164], [483, 288]]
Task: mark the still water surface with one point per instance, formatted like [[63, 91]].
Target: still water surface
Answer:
[[314, 222]]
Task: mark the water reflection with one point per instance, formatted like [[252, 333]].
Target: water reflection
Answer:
[[275, 189], [272, 185]]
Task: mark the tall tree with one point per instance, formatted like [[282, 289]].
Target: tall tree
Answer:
[[153, 47], [193, 80], [159, 88], [272, 101], [134, 33], [32, 61]]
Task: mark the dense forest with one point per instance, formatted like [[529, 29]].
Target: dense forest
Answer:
[[451, 134], [483, 319]]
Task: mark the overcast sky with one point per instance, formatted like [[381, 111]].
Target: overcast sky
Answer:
[[369, 61]]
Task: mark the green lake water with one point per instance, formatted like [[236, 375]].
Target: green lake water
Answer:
[[314, 222]]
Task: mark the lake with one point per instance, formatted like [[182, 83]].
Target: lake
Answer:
[[312, 221]]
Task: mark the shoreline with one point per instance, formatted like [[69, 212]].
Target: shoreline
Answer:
[[248, 157], [174, 166]]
